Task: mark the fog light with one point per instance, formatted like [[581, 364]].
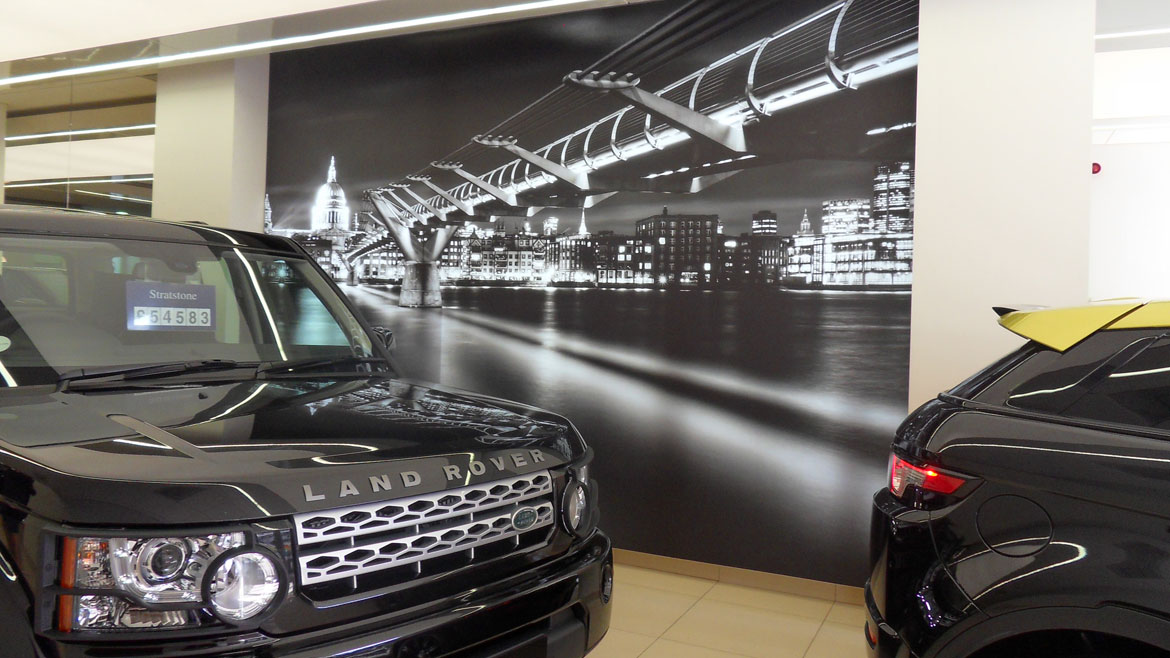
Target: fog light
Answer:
[[243, 586], [575, 506], [606, 583]]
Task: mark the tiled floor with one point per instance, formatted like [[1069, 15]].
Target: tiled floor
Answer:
[[664, 615]]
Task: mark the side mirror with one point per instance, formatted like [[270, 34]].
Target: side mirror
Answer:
[[385, 336]]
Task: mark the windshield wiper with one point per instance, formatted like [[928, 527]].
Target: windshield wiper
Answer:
[[314, 363], [90, 379]]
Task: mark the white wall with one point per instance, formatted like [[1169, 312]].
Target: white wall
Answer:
[[1130, 211], [3, 148], [1130, 227], [1131, 83], [1003, 172]]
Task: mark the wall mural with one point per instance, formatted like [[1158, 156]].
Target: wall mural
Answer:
[[687, 227]]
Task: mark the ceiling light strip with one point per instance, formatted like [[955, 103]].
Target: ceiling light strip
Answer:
[[73, 133], [1135, 33], [86, 181], [284, 42], [117, 197]]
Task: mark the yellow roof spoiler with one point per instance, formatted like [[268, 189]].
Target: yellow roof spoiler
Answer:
[[1061, 328]]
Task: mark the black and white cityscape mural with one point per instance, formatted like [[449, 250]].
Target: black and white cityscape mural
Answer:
[[688, 227]]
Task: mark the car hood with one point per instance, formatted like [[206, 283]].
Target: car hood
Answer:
[[237, 451]]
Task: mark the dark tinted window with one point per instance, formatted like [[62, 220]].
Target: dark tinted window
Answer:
[[1117, 377]]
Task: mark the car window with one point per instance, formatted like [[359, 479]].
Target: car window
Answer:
[[69, 303], [1124, 378]]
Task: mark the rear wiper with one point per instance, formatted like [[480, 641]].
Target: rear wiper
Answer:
[[89, 379], [313, 363]]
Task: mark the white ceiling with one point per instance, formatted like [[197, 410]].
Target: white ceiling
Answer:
[[1114, 16], [43, 27], [1131, 105]]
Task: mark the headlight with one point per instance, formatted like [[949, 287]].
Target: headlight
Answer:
[[243, 586], [164, 582], [163, 560]]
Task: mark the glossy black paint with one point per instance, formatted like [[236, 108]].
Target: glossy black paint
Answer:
[[226, 450], [237, 451], [1061, 536]]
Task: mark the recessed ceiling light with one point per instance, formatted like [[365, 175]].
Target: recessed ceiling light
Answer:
[[1134, 33], [87, 181], [284, 42], [87, 131], [119, 197]]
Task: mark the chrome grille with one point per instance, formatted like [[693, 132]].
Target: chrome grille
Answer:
[[353, 541]]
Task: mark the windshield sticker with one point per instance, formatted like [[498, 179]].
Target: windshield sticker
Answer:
[[5, 343], [153, 306]]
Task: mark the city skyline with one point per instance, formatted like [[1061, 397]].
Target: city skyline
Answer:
[[850, 248], [740, 197]]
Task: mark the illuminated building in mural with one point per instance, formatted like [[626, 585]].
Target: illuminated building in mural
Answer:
[[332, 228], [752, 259], [764, 222], [845, 216], [330, 211], [622, 260], [861, 245], [686, 247], [575, 257], [893, 197]]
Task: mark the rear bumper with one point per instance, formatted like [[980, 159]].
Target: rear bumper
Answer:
[[910, 598], [881, 639]]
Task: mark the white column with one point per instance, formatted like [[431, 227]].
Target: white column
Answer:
[[3, 134], [211, 143], [1005, 93]]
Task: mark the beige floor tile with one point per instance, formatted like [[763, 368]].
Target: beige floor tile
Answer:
[[671, 582], [838, 641], [847, 613], [792, 604], [744, 630], [647, 610], [621, 644], [670, 649]]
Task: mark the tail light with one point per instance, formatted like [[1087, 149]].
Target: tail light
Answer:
[[905, 476]]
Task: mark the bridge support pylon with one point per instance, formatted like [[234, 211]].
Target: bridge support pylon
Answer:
[[420, 286], [420, 244]]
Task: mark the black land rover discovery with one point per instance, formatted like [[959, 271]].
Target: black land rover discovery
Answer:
[[1028, 509], [205, 451]]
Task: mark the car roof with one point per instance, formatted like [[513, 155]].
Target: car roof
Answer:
[[36, 220], [1062, 328]]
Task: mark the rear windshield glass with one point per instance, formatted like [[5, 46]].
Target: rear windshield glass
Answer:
[[1118, 377]]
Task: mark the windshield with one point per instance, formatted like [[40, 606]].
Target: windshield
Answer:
[[69, 303]]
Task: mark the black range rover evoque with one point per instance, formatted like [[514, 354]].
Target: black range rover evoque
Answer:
[[205, 451], [1028, 509]]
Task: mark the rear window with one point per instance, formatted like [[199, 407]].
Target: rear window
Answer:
[[1118, 377]]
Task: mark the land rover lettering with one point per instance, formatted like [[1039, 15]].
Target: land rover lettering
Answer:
[[477, 467]]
